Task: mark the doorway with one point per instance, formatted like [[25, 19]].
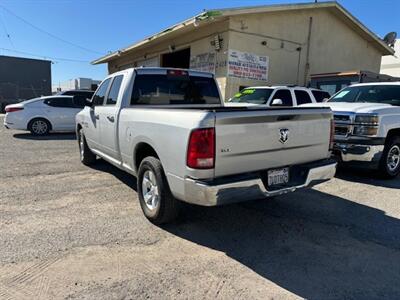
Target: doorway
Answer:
[[178, 59]]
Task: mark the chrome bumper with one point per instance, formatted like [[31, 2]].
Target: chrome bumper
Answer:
[[198, 192], [362, 153]]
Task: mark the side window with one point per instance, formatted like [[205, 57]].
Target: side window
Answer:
[[285, 96], [79, 101], [320, 95], [59, 102], [98, 98], [302, 97], [114, 90]]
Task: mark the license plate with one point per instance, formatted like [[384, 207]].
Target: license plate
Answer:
[[278, 176]]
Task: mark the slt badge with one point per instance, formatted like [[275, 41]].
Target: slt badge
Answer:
[[283, 135]]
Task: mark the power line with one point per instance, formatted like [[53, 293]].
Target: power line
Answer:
[[48, 33], [6, 31], [47, 57]]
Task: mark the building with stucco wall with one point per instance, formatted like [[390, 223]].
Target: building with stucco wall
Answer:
[[391, 64], [262, 45]]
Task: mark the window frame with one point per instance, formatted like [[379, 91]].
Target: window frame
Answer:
[[109, 90], [311, 97], [60, 98], [272, 98], [110, 80]]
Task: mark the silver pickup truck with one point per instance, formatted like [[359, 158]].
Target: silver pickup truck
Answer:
[[170, 129]]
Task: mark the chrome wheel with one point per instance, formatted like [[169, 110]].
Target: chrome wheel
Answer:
[[393, 158], [39, 127], [150, 190]]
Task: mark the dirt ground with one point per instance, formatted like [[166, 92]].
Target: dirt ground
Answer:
[[72, 232]]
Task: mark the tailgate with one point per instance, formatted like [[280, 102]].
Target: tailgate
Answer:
[[255, 140]]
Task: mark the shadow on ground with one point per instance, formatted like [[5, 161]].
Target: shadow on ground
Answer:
[[51, 136], [315, 245], [367, 177], [122, 176]]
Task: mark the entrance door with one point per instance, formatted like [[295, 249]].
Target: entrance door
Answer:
[[178, 59]]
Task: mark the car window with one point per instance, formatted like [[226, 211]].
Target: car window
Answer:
[[114, 90], [150, 89], [79, 101], [285, 96], [98, 98], [59, 102], [320, 96], [389, 94], [302, 97], [255, 96]]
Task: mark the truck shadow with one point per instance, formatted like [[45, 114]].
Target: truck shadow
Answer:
[[127, 179], [49, 137], [313, 244], [367, 177]]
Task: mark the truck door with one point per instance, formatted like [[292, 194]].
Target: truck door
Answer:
[[108, 119], [92, 125]]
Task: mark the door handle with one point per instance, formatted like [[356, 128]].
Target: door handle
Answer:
[[110, 118], [96, 117]]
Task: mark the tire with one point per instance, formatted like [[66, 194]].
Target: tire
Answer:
[[39, 126], [389, 165], [155, 197], [86, 155]]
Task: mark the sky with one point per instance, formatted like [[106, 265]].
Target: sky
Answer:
[[73, 33]]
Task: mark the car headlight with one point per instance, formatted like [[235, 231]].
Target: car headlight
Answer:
[[365, 130], [367, 119]]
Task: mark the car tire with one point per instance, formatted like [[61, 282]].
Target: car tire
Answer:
[[155, 197], [86, 155], [39, 126], [389, 166]]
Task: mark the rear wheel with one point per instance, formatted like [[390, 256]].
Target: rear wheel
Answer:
[[86, 155], [390, 162], [39, 126], [156, 200]]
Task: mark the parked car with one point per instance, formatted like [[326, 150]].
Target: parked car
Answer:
[[277, 96], [367, 126], [171, 130], [45, 114]]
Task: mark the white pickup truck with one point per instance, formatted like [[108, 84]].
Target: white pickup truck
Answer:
[[169, 128], [367, 126]]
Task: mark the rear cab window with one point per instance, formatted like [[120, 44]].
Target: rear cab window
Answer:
[[159, 89]]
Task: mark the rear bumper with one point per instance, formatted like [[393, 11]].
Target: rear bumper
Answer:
[[240, 188]]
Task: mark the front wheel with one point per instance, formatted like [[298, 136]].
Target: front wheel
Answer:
[[156, 200], [390, 161], [39, 126], [86, 155]]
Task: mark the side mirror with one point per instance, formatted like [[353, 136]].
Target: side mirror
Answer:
[[277, 102], [88, 102]]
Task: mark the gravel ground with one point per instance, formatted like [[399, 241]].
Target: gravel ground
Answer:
[[71, 232]]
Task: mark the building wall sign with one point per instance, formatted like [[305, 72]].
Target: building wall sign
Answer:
[[203, 62], [247, 65]]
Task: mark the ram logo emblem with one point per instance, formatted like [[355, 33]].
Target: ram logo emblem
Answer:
[[283, 135]]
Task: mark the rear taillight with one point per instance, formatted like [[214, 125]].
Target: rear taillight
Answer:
[[332, 135], [13, 109], [201, 149]]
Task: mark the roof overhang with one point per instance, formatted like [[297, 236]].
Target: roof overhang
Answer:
[[211, 16]]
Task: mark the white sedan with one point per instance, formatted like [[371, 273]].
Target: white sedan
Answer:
[[45, 114]]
